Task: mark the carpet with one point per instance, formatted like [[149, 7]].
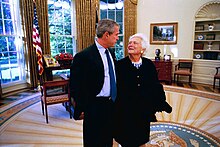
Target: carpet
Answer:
[[178, 135], [193, 122]]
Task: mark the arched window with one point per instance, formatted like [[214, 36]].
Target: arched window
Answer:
[[114, 9]]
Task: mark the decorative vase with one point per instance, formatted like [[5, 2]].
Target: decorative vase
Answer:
[[209, 45], [210, 27]]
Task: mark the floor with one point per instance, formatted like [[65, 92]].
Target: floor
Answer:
[[193, 122], [203, 87]]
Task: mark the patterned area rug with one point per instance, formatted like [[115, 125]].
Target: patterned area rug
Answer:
[[164, 134], [16, 103]]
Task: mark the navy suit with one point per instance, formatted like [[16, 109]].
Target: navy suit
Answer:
[[86, 81]]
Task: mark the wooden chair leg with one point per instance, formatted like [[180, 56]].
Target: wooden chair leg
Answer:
[[174, 78], [177, 78], [219, 83], [70, 109], [46, 113], [42, 106], [190, 78], [214, 84]]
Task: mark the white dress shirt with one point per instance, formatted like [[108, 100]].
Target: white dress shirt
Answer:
[[105, 91]]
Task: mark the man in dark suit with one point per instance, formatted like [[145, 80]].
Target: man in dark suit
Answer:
[[90, 86]]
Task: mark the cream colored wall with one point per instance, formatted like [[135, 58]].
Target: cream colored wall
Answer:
[[181, 11]]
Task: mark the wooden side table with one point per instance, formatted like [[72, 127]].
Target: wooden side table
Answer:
[[164, 70], [48, 70]]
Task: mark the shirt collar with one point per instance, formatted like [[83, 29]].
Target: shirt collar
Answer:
[[100, 48], [139, 62]]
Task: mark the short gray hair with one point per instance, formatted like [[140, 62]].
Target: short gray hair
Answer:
[[106, 25], [143, 38]]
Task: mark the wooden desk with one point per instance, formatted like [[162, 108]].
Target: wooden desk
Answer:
[[48, 70], [165, 70]]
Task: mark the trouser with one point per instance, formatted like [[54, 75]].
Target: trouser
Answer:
[[98, 123]]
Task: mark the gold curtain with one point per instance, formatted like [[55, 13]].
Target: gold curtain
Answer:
[[27, 13], [85, 22], [130, 21]]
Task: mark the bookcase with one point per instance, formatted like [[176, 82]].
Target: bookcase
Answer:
[[207, 39]]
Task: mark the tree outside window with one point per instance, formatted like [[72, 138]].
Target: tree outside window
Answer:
[[61, 26]]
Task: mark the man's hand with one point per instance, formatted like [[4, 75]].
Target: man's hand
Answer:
[[81, 116]]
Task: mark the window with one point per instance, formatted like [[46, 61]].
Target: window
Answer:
[[11, 44], [62, 27], [114, 9]]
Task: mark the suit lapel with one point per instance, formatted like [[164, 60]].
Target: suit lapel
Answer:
[[96, 58]]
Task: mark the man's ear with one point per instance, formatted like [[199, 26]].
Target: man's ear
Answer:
[[106, 34]]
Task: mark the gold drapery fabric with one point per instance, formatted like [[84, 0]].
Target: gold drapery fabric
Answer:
[[85, 22], [27, 14], [130, 21]]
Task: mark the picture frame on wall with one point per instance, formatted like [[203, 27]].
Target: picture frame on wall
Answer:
[[167, 57], [163, 33]]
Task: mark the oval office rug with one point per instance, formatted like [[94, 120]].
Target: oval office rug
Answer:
[[177, 135]]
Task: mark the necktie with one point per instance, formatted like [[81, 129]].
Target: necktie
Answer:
[[113, 90]]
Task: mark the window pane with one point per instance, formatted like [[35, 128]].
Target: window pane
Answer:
[[6, 11], [51, 14], [9, 29], [111, 14], [67, 29], [61, 42], [11, 44], [119, 16], [3, 46], [15, 73], [121, 28], [6, 75], [52, 28], [58, 17], [59, 29], [13, 57], [1, 26], [69, 42], [5, 0], [103, 14], [4, 58], [67, 16]]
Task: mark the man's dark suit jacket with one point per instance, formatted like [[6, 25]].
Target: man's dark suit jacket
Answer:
[[86, 77]]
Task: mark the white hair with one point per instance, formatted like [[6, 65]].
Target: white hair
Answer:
[[143, 38]]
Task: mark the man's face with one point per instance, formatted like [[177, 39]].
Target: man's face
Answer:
[[113, 38]]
